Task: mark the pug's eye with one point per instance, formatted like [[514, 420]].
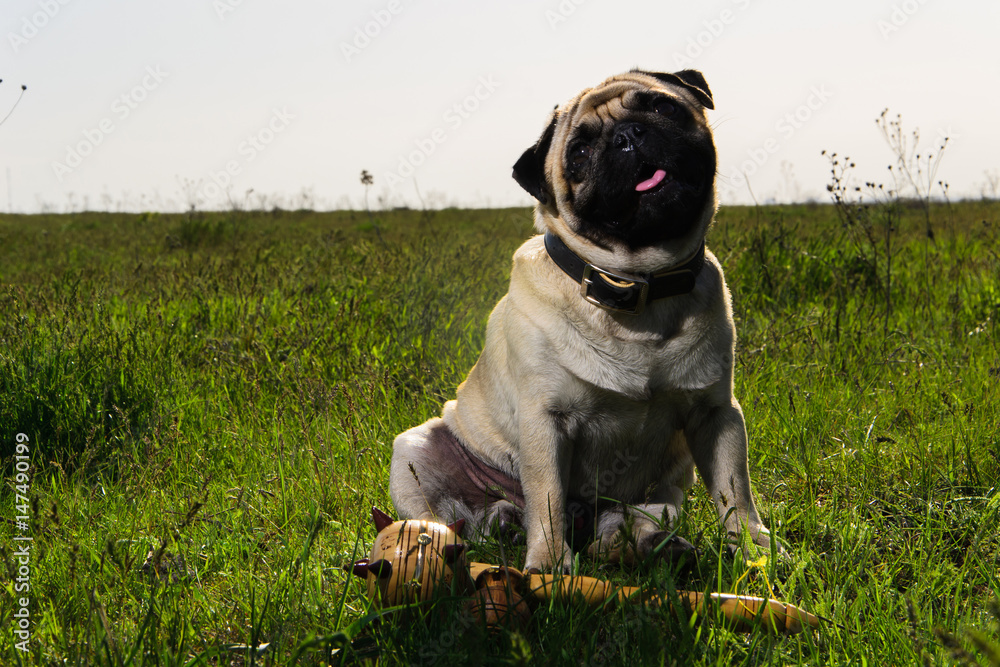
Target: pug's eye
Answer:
[[579, 154], [664, 107]]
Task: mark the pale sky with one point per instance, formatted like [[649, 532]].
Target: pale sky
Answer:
[[143, 105]]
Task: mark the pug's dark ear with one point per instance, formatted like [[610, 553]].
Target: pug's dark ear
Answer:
[[529, 170], [691, 79]]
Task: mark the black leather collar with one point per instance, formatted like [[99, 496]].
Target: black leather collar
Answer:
[[623, 292]]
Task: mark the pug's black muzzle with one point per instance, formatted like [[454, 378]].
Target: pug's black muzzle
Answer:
[[647, 184]]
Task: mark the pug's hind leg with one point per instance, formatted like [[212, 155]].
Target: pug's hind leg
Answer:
[[422, 482]]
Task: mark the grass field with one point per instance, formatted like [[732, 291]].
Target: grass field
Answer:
[[210, 402]]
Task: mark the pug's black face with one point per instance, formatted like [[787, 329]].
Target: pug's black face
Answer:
[[643, 178]]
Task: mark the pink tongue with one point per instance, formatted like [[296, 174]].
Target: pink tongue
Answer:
[[652, 182]]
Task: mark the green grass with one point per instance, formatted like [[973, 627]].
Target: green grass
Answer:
[[222, 390]]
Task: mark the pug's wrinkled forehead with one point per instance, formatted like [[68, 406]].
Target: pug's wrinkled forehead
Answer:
[[616, 95]]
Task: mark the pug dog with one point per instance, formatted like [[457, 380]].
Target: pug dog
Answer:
[[606, 378]]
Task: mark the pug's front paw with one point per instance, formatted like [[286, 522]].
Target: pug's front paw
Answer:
[[545, 558]]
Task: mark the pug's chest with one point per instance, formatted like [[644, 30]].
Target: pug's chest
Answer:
[[644, 371], [603, 420], [623, 444], [623, 408]]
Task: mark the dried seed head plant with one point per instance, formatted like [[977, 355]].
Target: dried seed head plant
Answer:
[[912, 168], [16, 102]]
